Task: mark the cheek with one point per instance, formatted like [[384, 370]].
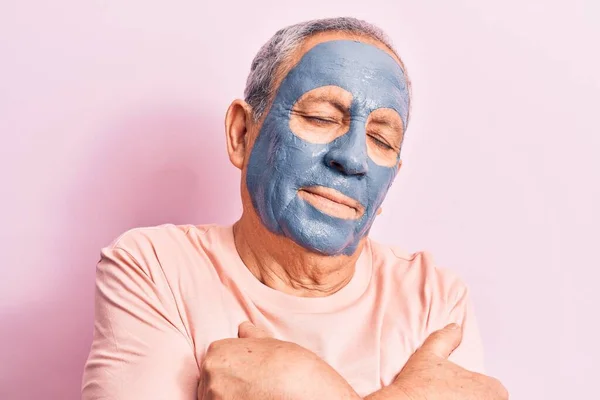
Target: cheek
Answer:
[[293, 154], [381, 156], [379, 182]]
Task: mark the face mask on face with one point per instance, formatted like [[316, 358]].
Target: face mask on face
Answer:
[[329, 148]]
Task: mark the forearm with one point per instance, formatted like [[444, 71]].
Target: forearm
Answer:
[[323, 383], [319, 380], [388, 393]]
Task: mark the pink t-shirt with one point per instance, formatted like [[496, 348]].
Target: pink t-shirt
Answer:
[[165, 293]]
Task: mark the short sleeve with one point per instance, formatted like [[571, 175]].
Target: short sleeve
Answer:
[[140, 349], [469, 354]]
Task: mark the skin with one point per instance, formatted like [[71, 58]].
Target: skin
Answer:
[[255, 366], [306, 273], [327, 151], [258, 367]]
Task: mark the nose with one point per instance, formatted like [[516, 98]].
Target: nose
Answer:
[[348, 153]]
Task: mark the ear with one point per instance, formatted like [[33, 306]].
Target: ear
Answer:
[[237, 126]]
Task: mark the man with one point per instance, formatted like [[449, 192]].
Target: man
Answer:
[[293, 301]]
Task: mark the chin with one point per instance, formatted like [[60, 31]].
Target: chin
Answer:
[[322, 233]]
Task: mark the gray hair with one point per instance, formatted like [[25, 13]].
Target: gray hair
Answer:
[[259, 85]]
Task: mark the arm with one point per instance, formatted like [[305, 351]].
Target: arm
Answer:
[[140, 349], [468, 355], [428, 375], [257, 366], [388, 393]]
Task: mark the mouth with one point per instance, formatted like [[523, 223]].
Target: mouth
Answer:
[[331, 202]]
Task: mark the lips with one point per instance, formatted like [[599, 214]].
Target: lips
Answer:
[[332, 202]]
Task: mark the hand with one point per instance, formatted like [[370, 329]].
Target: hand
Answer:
[[428, 375], [256, 366]]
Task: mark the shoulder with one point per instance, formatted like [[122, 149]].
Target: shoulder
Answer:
[[137, 239], [419, 292], [417, 272], [158, 248]]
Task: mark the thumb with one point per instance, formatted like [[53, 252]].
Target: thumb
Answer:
[[443, 342], [248, 330]]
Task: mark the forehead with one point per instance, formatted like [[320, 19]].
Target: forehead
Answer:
[[374, 78]]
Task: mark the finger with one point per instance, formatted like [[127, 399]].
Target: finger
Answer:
[[443, 342], [248, 330]]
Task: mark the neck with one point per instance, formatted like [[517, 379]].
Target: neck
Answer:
[[283, 265]]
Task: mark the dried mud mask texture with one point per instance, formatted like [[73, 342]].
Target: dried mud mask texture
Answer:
[[281, 162]]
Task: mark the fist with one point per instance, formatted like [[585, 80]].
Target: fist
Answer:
[[256, 366], [428, 375]]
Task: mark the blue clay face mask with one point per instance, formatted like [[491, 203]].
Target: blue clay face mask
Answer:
[[328, 149]]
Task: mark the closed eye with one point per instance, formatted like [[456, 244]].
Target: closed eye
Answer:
[[319, 120], [381, 143]]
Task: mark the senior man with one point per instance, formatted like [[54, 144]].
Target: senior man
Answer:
[[293, 301]]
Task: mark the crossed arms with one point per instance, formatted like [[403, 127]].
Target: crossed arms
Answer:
[[138, 352]]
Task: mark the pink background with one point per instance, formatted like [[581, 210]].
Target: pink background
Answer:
[[111, 115]]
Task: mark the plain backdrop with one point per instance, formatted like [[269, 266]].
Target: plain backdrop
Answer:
[[111, 116]]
